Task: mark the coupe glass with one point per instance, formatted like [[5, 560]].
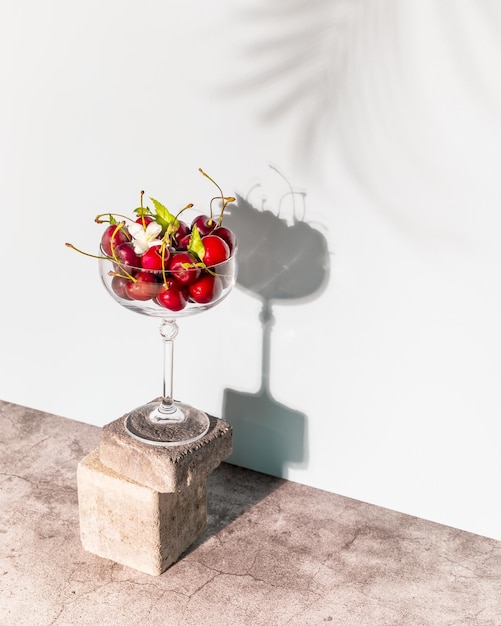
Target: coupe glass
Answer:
[[166, 422]]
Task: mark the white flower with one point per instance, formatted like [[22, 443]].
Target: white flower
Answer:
[[144, 238]]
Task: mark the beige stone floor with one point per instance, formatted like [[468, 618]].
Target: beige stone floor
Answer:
[[274, 552]]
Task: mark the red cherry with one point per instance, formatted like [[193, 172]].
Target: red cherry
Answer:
[[183, 243], [182, 231], [206, 289], [183, 267], [113, 236], [127, 256], [144, 220], [216, 250], [119, 284], [152, 258], [172, 295], [204, 223], [226, 234], [144, 287]]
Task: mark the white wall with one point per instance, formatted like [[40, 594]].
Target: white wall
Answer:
[[383, 385]]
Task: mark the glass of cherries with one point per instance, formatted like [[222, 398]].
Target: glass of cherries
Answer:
[[157, 264]]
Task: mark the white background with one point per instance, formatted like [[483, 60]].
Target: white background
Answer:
[[386, 114]]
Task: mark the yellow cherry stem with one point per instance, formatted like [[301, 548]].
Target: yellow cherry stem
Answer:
[[98, 219], [93, 256]]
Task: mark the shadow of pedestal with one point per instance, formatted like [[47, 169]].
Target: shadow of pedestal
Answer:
[[267, 436]]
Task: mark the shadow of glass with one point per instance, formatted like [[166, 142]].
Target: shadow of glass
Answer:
[[280, 262]]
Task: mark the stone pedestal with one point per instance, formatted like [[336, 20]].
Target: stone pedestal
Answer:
[[142, 505]]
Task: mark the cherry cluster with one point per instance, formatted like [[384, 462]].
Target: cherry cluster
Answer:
[[158, 256]]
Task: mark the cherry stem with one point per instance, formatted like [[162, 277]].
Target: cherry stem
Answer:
[[113, 256], [98, 219], [127, 277], [214, 183], [225, 202], [143, 221], [188, 206], [93, 256], [164, 271]]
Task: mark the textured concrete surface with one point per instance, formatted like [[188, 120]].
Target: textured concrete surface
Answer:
[[135, 525], [164, 469], [274, 552]]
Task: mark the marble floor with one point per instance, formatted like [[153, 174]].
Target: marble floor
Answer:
[[274, 552]]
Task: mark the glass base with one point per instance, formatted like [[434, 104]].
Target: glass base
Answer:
[[182, 425]]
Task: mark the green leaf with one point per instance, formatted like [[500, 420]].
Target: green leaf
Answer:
[[142, 211], [163, 216], [195, 244]]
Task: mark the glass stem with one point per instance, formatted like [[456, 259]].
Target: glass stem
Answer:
[[168, 332]]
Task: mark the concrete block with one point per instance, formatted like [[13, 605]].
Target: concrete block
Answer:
[[134, 524], [164, 469]]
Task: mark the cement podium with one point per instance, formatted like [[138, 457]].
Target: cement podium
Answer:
[[143, 505]]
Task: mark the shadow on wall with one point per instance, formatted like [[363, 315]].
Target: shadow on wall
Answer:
[[296, 55], [280, 262]]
